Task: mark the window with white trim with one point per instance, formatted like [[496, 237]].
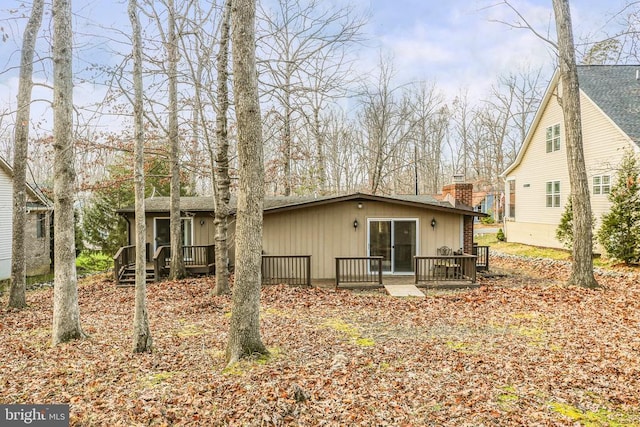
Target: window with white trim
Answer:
[[553, 138], [602, 184], [41, 228], [511, 211], [553, 194]]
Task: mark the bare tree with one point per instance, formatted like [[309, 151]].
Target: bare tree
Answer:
[[66, 312], [177, 269], [462, 122], [582, 264], [304, 63], [385, 123], [142, 341], [426, 104], [17, 297], [222, 180], [244, 334], [519, 95]]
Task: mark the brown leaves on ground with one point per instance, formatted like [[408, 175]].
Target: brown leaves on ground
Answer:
[[520, 350]]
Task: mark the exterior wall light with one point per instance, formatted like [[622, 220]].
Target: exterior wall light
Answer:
[[355, 224], [359, 205], [433, 223]]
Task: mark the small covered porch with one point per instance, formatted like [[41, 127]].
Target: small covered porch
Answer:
[[198, 260]]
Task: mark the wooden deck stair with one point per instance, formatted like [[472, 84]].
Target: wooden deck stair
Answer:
[[128, 276]]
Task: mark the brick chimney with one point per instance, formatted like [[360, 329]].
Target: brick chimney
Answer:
[[460, 195]]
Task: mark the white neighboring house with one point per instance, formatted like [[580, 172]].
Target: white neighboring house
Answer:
[[38, 237], [537, 183]]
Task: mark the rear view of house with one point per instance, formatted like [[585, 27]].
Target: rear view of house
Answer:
[[319, 231], [38, 240]]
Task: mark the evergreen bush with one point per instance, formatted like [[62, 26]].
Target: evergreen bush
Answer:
[[619, 233]]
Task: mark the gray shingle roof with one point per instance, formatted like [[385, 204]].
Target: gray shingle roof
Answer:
[[616, 91], [205, 204]]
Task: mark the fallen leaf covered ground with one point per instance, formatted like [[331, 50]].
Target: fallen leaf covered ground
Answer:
[[521, 349]]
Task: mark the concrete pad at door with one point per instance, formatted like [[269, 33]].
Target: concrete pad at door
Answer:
[[404, 291]]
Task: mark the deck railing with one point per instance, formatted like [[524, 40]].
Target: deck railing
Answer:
[[199, 255], [286, 269], [125, 257], [197, 259], [161, 258], [359, 270], [454, 268], [482, 262]]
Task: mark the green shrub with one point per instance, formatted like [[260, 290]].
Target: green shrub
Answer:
[[619, 233], [487, 220], [93, 262], [564, 232], [500, 235]]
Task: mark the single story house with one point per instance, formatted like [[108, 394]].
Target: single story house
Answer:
[[38, 241], [396, 228], [537, 183]]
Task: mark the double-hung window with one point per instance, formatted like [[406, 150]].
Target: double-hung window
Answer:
[[602, 184], [41, 227], [553, 194], [553, 138]]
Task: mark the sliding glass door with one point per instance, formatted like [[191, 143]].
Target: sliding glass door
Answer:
[[162, 232], [396, 241]]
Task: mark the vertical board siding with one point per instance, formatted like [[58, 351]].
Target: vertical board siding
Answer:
[[327, 232]]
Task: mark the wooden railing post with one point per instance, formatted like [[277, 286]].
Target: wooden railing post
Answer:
[[121, 260], [337, 272]]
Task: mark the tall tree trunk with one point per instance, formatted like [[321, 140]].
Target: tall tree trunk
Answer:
[[177, 270], [17, 297], [320, 156], [142, 341], [221, 171], [66, 312], [582, 264], [287, 135], [244, 334]]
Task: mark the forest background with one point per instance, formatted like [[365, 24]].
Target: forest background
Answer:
[[359, 97]]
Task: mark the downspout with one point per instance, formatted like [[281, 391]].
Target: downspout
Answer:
[[462, 233]]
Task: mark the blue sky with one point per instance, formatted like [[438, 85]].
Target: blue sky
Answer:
[[453, 43], [458, 44]]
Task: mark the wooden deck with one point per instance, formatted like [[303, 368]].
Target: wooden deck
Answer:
[[433, 272], [396, 280]]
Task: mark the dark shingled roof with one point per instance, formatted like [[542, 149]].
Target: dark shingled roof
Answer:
[[616, 91], [205, 204]]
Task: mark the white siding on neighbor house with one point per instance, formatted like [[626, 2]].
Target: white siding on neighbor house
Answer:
[[6, 201], [603, 144]]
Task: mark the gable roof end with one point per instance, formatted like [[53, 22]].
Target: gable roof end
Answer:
[[612, 88], [37, 196]]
